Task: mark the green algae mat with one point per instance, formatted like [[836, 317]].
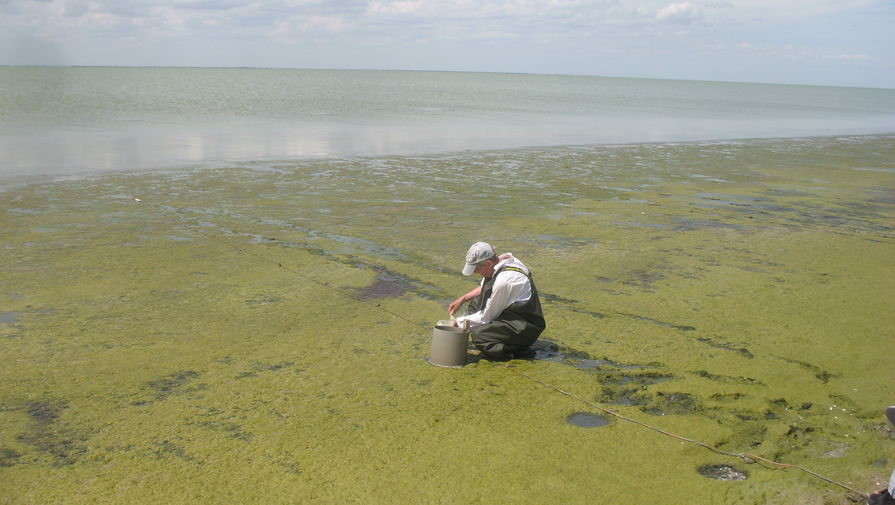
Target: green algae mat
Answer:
[[259, 333]]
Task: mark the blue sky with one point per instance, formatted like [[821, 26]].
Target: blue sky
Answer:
[[824, 42]]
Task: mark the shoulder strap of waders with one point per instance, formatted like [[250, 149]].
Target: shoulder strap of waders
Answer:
[[515, 269]]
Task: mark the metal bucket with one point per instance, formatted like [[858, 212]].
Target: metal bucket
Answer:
[[449, 346]]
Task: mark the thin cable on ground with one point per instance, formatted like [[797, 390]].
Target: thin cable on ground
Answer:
[[746, 457], [342, 292], [309, 278]]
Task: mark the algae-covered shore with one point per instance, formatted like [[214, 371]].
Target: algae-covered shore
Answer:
[[258, 333]]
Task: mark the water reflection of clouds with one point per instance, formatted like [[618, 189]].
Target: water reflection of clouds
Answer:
[[210, 146], [78, 151], [142, 146]]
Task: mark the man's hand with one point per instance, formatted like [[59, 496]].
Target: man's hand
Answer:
[[456, 304]]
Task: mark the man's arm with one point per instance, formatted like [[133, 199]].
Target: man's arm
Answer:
[[506, 289], [456, 304]]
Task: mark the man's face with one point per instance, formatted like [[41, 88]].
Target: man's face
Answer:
[[486, 268]]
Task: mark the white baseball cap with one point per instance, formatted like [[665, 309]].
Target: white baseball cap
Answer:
[[479, 252]]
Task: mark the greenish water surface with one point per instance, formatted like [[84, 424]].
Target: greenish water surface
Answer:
[[258, 333]]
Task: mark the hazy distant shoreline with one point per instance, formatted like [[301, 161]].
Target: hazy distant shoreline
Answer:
[[448, 71]]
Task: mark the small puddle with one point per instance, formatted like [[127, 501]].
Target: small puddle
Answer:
[[587, 420]]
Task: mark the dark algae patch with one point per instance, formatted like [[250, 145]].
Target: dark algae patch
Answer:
[[9, 457], [173, 383], [176, 383], [166, 449], [386, 285], [743, 351], [44, 413], [56, 443], [629, 387], [725, 378], [822, 375], [223, 339]]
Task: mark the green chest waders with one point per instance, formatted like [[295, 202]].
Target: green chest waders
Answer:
[[515, 329]]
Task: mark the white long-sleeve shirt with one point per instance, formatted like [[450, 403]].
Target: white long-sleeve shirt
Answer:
[[509, 288]]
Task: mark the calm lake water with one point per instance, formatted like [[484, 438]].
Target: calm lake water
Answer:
[[61, 120]]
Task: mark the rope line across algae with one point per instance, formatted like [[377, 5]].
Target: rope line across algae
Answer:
[[748, 458]]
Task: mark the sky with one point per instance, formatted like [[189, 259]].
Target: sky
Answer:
[[818, 42]]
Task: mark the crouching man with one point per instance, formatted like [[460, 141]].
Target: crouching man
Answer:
[[504, 313]]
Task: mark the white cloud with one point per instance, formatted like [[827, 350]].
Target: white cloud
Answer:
[[851, 57], [401, 7], [328, 23], [682, 13]]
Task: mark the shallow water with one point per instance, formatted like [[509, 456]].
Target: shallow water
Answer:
[[258, 333], [76, 120]]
